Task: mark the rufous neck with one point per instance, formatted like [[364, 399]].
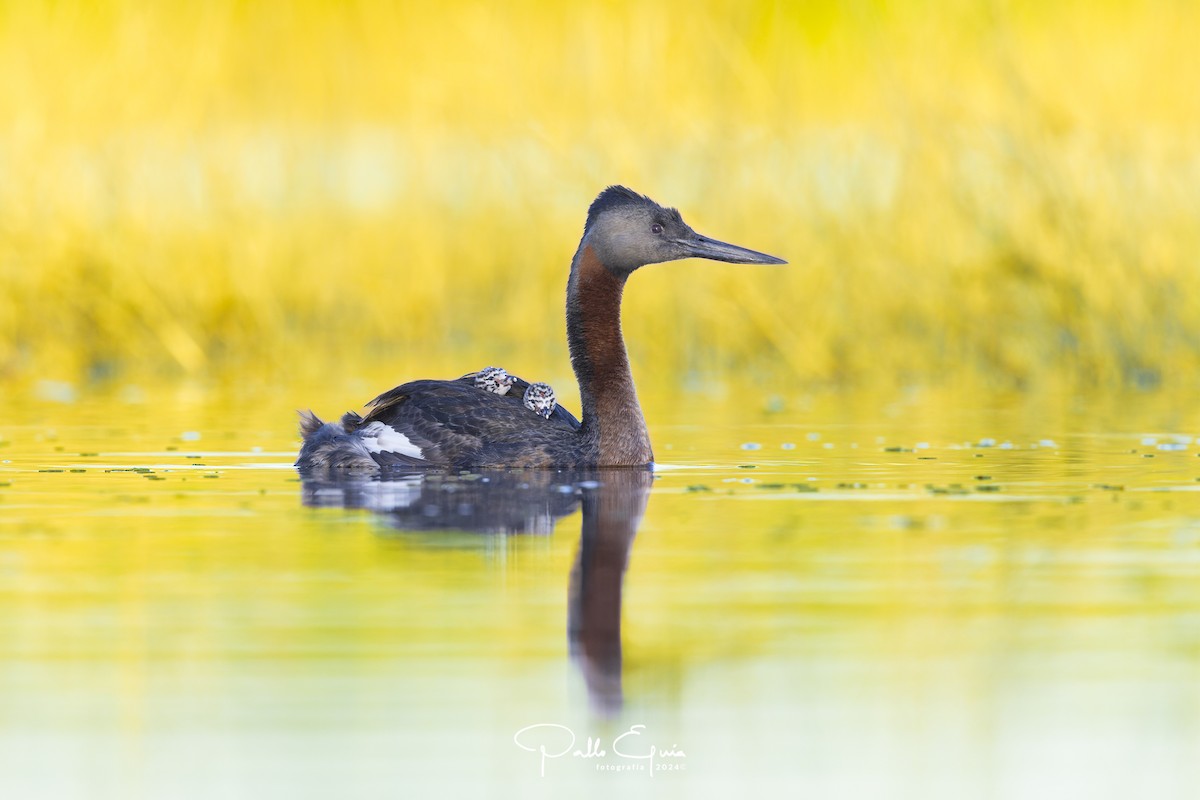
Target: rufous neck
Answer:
[[611, 412]]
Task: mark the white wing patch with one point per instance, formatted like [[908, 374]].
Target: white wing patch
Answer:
[[381, 438]]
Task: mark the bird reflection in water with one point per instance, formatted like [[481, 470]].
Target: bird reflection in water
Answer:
[[502, 502]]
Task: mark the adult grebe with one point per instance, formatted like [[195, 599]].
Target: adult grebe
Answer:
[[452, 423]]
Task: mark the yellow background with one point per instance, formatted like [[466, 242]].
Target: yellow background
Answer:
[[1005, 192]]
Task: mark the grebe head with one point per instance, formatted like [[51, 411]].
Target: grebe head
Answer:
[[494, 380], [628, 230], [539, 398]]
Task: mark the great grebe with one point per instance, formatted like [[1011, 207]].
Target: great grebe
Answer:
[[455, 423]]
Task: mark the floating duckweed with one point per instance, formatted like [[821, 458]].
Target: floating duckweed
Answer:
[[49, 470], [983, 477], [700, 487], [88, 455], [897, 449], [772, 486], [747, 466], [79, 470], [987, 487]]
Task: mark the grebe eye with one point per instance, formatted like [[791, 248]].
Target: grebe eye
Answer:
[[656, 228]]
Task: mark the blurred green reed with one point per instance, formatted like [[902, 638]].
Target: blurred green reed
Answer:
[[1005, 192]]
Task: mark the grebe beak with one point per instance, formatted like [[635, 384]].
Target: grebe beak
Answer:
[[698, 246]]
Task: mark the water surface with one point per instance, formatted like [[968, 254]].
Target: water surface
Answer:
[[849, 599]]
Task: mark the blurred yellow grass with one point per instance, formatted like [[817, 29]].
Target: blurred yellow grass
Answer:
[[1005, 191]]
